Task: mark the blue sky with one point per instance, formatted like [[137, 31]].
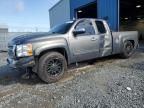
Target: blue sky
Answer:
[[25, 13]]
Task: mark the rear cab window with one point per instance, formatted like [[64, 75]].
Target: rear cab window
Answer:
[[100, 26]]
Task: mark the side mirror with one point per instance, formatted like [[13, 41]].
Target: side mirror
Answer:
[[79, 31]]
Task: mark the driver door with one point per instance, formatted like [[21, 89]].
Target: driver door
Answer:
[[85, 45]]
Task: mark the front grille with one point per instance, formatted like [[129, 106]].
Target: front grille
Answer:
[[11, 50]]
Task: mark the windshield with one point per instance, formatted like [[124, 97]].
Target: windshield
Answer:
[[62, 28]]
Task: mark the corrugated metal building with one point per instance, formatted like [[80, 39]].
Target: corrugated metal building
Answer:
[[120, 14], [104, 9], [66, 10], [60, 12]]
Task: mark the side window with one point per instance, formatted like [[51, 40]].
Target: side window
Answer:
[[100, 26], [87, 25]]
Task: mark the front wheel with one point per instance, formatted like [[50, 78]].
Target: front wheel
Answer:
[[128, 49], [52, 67]]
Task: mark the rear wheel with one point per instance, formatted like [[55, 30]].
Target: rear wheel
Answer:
[[52, 67], [128, 49]]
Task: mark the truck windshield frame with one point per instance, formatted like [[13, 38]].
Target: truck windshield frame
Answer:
[[62, 28]]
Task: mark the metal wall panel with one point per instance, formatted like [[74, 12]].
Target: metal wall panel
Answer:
[[106, 9], [59, 13], [74, 4]]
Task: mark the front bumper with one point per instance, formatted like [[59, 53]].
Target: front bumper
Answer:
[[21, 63]]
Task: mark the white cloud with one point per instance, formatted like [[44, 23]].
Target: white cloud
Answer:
[[19, 6]]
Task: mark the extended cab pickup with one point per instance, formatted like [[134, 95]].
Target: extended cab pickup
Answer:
[[48, 54]]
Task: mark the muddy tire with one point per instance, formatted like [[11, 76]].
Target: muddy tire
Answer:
[[128, 49], [52, 67]]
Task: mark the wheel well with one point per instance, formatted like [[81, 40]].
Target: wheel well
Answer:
[[132, 41], [60, 50]]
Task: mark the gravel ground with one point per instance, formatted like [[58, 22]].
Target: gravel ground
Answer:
[[110, 82]]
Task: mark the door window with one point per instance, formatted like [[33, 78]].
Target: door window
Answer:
[[87, 25], [100, 27]]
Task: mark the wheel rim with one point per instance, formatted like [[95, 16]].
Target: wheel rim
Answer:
[[129, 49], [54, 66]]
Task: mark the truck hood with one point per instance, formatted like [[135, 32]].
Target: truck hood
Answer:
[[32, 37]]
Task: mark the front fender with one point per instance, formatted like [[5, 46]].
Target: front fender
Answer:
[[48, 47], [52, 45]]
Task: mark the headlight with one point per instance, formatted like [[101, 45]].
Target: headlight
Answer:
[[24, 50]]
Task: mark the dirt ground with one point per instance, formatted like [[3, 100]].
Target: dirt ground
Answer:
[[110, 82]]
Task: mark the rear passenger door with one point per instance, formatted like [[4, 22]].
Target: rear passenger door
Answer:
[[86, 45], [105, 39]]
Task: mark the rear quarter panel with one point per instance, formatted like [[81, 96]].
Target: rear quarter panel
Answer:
[[120, 37]]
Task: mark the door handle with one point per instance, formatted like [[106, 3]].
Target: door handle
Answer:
[[93, 39]]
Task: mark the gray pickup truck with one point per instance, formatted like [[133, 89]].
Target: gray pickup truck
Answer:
[[49, 54]]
